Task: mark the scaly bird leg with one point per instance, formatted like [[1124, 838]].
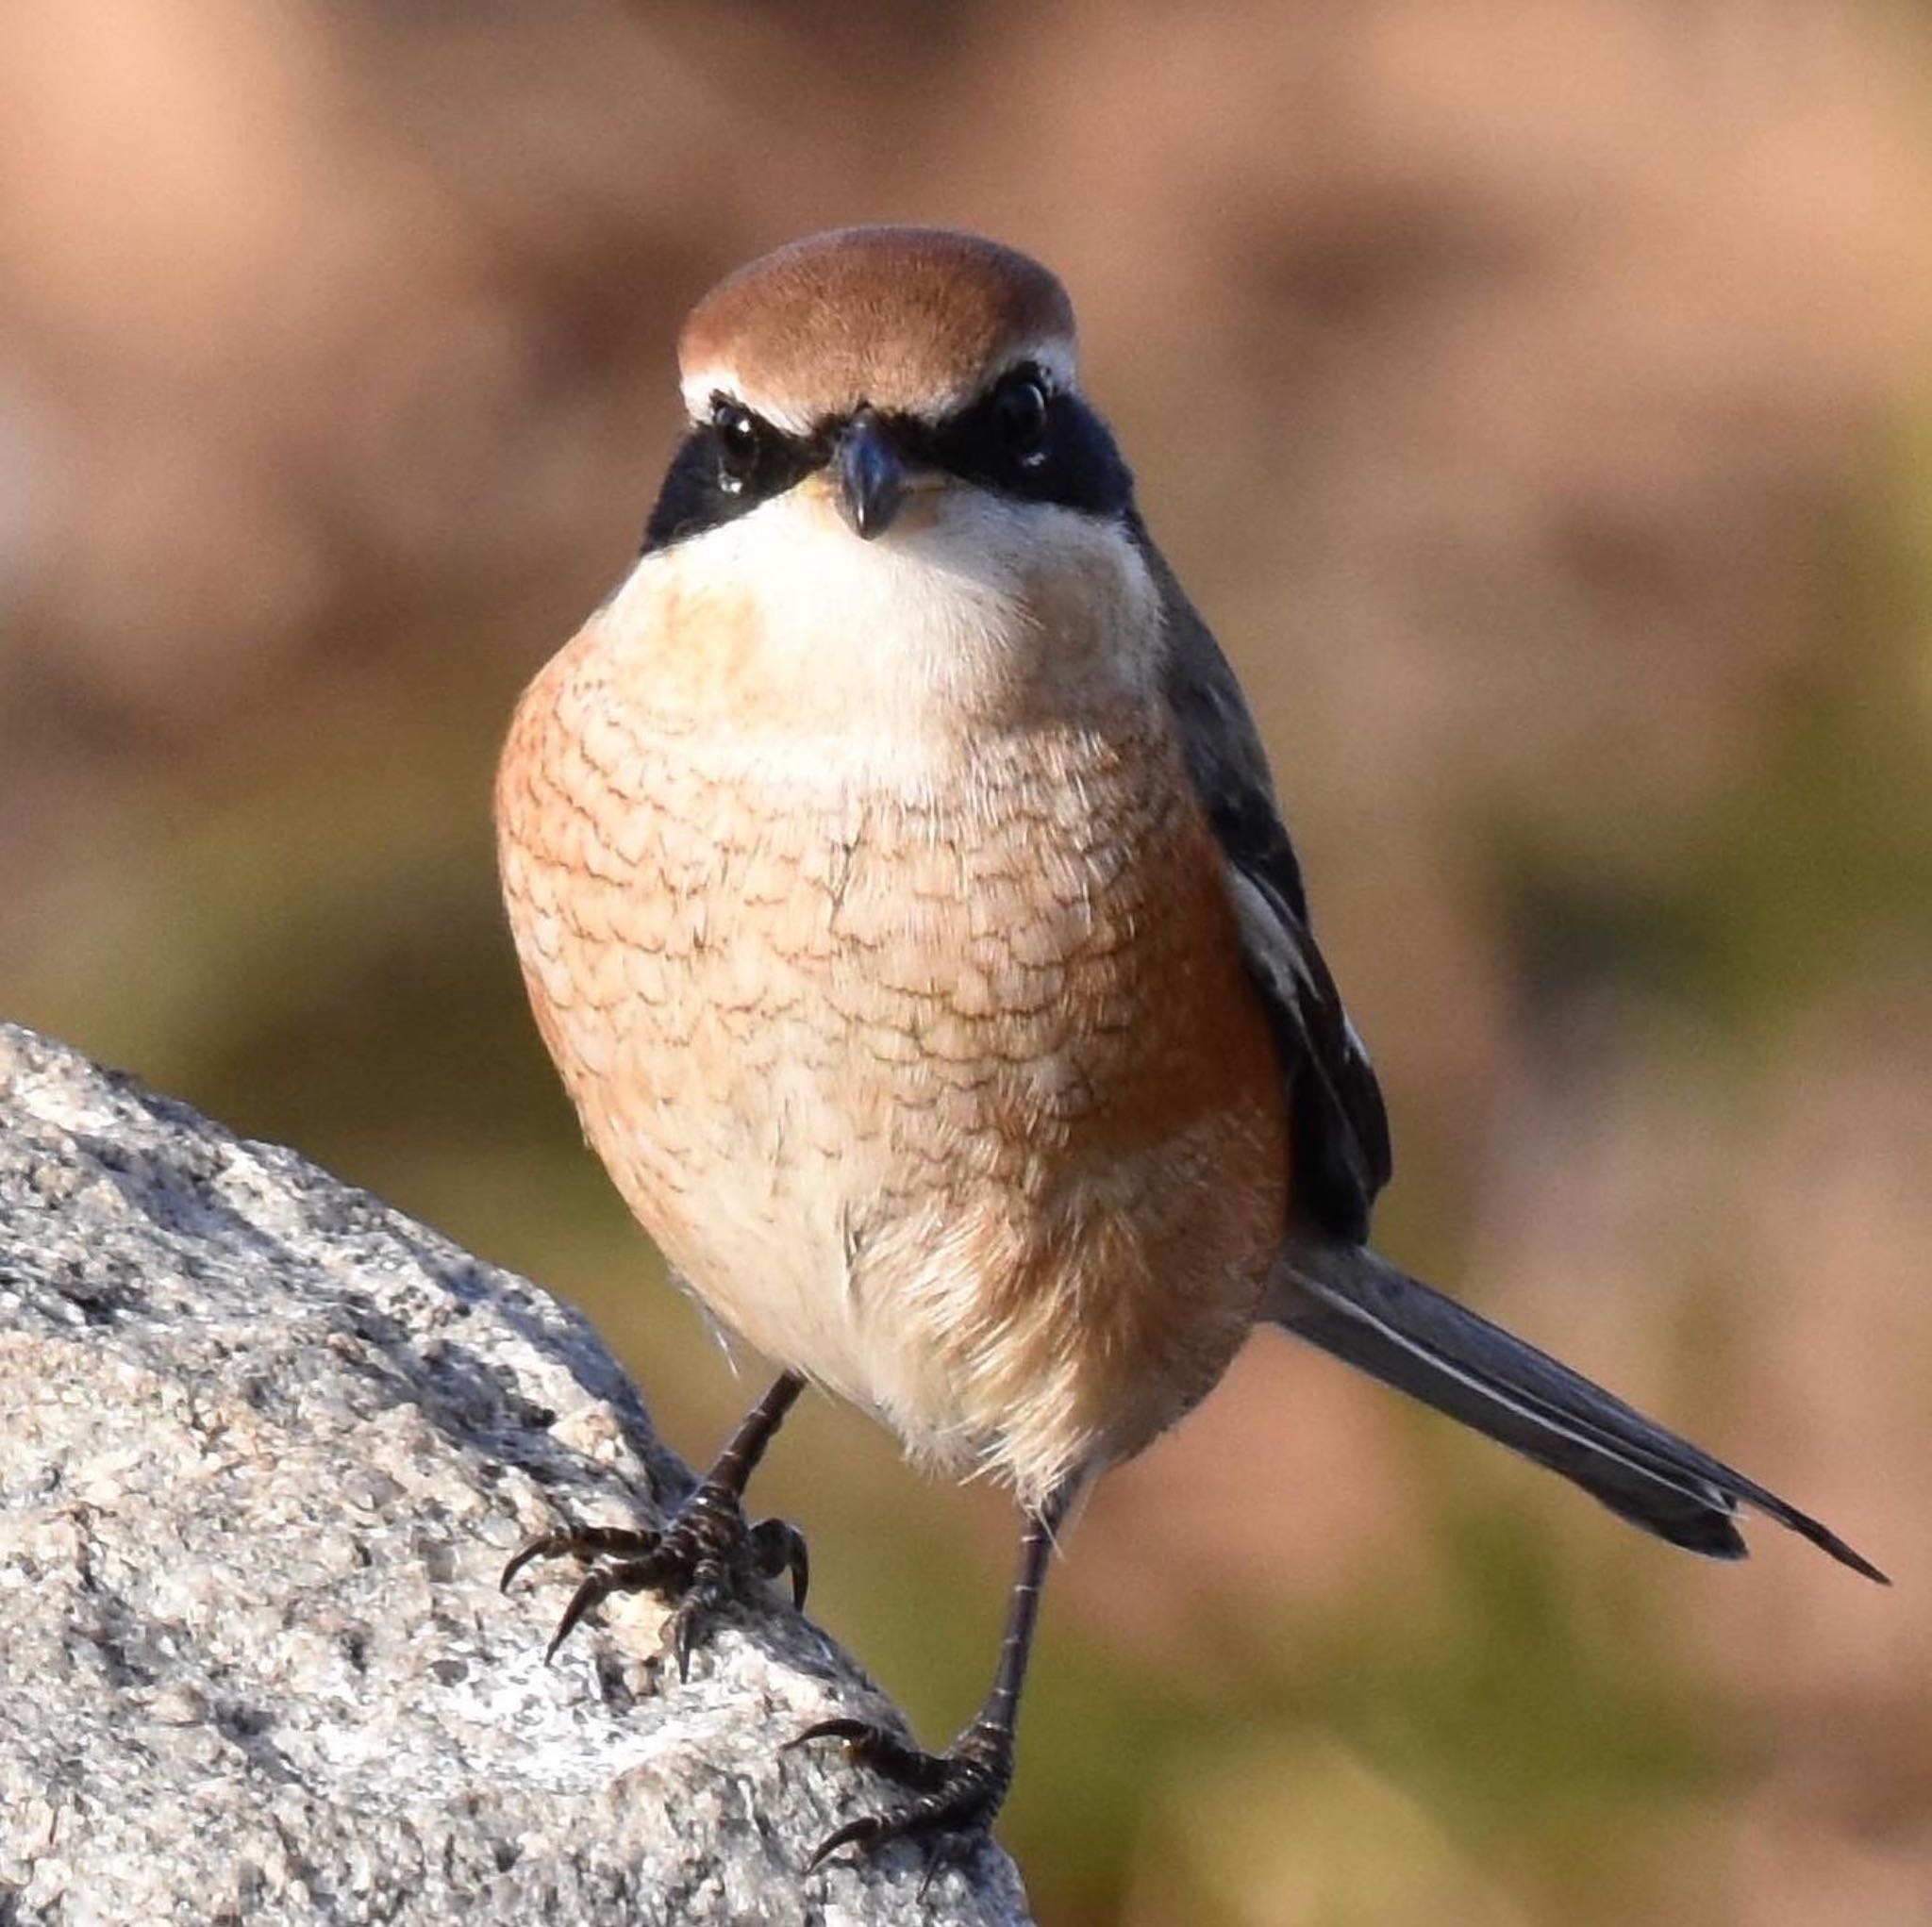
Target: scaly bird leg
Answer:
[[706, 1557], [956, 1794]]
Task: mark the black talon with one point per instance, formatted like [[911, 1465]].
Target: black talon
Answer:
[[871, 1746], [582, 1542], [596, 1587], [781, 1547], [709, 1588], [707, 1556], [829, 1729], [944, 1853], [957, 1793], [854, 1833]]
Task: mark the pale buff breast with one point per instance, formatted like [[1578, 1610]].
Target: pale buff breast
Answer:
[[925, 1056]]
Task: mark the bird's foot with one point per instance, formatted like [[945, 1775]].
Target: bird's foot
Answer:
[[955, 1795], [708, 1555]]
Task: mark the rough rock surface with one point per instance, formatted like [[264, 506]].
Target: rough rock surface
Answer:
[[264, 1446]]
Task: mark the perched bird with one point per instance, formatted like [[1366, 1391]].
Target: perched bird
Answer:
[[901, 890]]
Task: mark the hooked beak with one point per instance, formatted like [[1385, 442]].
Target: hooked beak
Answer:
[[868, 476]]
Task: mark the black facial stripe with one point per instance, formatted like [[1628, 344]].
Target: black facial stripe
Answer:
[[1076, 465], [696, 494]]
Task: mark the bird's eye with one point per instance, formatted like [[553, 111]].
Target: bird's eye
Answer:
[[740, 441], [1020, 416]]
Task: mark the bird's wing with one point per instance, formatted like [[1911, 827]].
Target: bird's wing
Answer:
[[1335, 1294], [1341, 1150]]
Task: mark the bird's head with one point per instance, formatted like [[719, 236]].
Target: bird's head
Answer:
[[877, 365], [891, 504]]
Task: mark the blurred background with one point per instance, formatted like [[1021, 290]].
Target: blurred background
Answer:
[[1534, 392]]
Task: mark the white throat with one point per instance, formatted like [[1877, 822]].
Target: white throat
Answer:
[[972, 616]]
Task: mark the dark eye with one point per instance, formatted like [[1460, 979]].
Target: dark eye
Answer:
[[740, 441], [1018, 416]]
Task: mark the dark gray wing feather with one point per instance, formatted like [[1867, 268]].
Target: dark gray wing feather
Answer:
[[1335, 1294], [1340, 1150]]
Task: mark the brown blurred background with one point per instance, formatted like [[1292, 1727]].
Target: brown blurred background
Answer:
[[1536, 397]]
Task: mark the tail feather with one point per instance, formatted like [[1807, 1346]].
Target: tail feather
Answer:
[[1352, 1302]]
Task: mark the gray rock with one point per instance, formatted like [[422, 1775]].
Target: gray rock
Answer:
[[264, 1446]]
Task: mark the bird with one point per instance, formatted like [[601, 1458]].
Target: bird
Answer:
[[901, 888]]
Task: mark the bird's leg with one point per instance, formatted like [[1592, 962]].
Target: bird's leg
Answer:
[[707, 1554], [955, 1794]]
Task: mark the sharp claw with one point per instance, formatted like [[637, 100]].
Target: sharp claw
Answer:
[[581, 1600], [587, 1541], [945, 1855], [829, 1729], [781, 1549], [542, 1547], [867, 1831], [956, 1794], [702, 1561]]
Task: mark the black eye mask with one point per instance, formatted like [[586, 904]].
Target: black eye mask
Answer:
[[1021, 439]]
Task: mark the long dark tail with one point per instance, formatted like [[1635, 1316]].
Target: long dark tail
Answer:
[[1350, 1302]]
